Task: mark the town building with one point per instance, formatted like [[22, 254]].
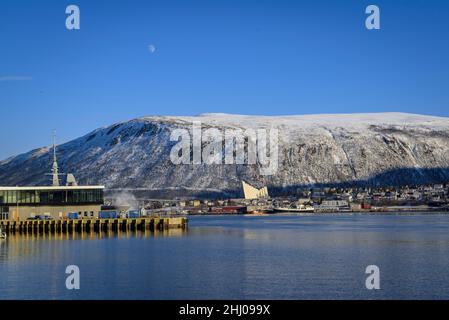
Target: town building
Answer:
[[20, 203], [55, 201]]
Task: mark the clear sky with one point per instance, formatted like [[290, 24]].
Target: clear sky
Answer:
[[248, 57]]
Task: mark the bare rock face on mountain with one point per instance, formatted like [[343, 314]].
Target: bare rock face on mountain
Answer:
[[313, 150]]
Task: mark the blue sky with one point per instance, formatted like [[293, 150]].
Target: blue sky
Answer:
[[247, 57]]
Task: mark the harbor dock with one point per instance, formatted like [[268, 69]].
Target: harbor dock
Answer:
[[93, 225]]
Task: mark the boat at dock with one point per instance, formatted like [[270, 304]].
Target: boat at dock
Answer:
[[301, 208]]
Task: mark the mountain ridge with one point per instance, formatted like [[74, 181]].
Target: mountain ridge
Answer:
[[322, 149]]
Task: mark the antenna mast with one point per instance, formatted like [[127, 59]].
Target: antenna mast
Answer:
[[55, 169]]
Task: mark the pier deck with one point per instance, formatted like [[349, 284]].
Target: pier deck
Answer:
[[92, 225]]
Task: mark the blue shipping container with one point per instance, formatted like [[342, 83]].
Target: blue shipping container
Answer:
[[107, 215], [73, 215], [133, 214], [103, 215]]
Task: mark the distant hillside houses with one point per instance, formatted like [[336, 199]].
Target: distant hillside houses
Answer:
[[437, 193]]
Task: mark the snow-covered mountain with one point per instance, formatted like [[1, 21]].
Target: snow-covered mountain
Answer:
[[375, 149]]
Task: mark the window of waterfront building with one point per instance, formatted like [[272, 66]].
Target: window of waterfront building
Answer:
[[25, 197], [12, 196], [45, 197]]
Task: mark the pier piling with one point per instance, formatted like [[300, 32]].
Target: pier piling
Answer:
[[92, 225]]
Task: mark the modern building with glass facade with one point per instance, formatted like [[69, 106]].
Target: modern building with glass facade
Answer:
[[20, 203]]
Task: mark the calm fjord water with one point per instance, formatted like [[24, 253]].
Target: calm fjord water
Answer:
[[239, 257]]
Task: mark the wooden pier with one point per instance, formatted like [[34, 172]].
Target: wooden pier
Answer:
[[93, 225]]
